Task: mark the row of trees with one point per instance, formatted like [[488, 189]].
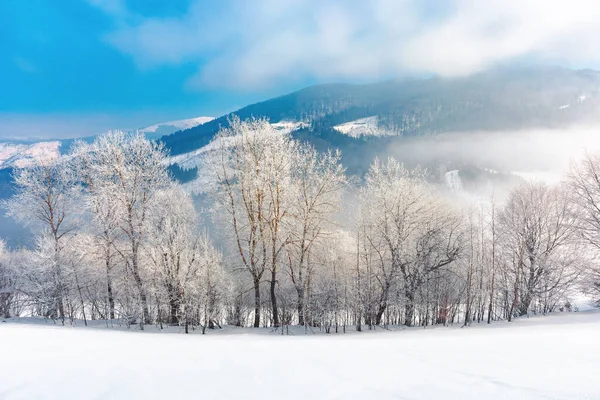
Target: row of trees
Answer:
[[298, 243]]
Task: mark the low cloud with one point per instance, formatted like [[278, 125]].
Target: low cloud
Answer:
[[264, 42], [540, 154]]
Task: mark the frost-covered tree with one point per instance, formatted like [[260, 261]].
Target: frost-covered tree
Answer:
[[123, 173], [172, 244], [249, 167], [408, 233], [318, 181], [7, 282], [536, 224], [207, 285], [46, 198], [104, 217], [583, 184], [188, 268]]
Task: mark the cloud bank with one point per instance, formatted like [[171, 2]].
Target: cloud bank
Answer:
[[250, 44]]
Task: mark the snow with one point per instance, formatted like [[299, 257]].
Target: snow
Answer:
[[453, 181], [289, 126], [545, 357], [362, 127], [192, 159], [25, 155], [181, 124]]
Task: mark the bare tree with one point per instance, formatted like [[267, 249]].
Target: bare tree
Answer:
[[318, 181], [583, 183], [7, 282], [249, 171], [46, 197], [129, 170], [411, 232], [536, 223]]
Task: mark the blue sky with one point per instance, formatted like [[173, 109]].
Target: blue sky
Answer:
[[58, 72], [79, 67]]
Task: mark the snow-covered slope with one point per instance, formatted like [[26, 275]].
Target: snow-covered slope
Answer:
[[25, 155], [190, 160], [165, 128], [363, 127], [289, 126], [552, 357]]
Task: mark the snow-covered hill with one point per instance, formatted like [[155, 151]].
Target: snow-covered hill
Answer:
[[18, 155], [544, 357], [363, 127], [165, 128], [25, 155], [191, 159]]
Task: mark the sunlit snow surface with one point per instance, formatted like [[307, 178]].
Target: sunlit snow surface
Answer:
[[552, 357], [181, 124], [363, 127], [27, 155]]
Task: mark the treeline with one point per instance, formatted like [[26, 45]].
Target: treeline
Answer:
[[117, 239]]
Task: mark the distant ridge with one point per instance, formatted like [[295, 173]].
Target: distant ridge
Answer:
[[499, 99]]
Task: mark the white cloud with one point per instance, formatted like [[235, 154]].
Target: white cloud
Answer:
[[251, 44]]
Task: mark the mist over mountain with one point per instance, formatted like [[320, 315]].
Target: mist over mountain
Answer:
[[397, 118], [496, 100], [391, 118], [488, 130]]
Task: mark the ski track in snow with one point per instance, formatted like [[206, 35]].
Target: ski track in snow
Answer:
[[546, 357]]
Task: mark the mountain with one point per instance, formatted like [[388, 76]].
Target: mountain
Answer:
[[339, 115], [418, 121], [396, 118], [154, 132], [17, 154]]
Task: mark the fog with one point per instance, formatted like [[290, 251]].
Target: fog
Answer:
[[537, 154], [488, 162]]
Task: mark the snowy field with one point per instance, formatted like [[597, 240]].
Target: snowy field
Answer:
[[552, 357]]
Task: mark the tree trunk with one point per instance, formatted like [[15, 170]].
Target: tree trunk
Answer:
[[174, 310], [300, 306], [256, 303], [109, 290], [409, 307], [515, 299], [524, 304], [274, 297], [490, 309], [409, 311], [142, 291], [380, 311]]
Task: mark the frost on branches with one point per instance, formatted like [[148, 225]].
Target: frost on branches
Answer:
[[291, 240]]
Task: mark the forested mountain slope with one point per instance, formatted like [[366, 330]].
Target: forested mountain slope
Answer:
[[501, 99]]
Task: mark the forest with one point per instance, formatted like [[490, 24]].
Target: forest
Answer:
[[288, 238]]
